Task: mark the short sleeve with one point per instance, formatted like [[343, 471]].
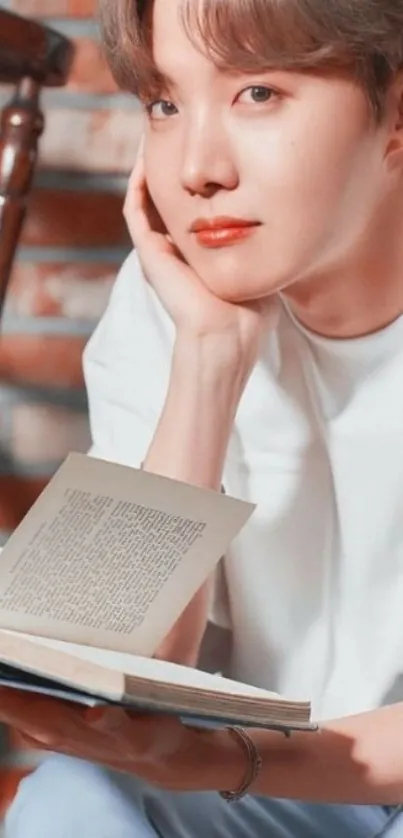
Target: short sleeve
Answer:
[[126, 369]]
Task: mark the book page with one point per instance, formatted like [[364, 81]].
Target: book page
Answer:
[[110, 556]]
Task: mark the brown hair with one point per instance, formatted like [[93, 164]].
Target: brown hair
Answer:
[[365, 36]]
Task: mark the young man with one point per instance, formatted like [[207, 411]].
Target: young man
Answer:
[[256, 340]]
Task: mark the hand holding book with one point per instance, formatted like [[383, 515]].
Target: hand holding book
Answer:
[[159, 749]]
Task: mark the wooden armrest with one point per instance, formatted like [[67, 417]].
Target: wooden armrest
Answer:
[[32, 56], [29, 49]]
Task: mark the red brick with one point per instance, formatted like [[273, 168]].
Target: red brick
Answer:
[[17, 494], [41, 433], [62, 218], [93, 141], [55, 8], [42, 360], [90, 72], [78, 291]]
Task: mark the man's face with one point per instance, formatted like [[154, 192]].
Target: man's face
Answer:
[[299, 154]]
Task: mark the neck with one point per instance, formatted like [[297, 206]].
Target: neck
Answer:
[[364, 293]]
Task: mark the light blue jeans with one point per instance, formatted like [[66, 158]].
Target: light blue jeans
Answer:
[[67, 798]]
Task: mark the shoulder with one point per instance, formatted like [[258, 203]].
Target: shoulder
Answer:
[[127, 359], [134, 317]]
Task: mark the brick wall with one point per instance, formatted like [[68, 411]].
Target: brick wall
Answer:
[[73, 243]]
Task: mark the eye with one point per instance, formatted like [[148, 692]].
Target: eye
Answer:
[[161, 109], [257, 93]]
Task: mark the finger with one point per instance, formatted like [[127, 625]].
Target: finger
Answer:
[[44, 719], [136, 203], [143, 737], [144, 222], [106, 719], [139, 164], [50, 725], [30, 742], [69, 748], [101, 757], [7, 698], [7, 694], [74, 738], [140, 148], [137, 175], [18, 704]]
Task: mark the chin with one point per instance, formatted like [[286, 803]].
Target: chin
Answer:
[[240, 286]]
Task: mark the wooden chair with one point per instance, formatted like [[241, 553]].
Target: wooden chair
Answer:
[[32, 56]]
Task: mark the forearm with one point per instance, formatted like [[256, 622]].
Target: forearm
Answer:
[[358, 759], [193, 432], [190, 444]]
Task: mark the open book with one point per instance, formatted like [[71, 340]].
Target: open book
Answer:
[[95, 577]]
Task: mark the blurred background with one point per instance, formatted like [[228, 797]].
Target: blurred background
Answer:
[[72, 245]]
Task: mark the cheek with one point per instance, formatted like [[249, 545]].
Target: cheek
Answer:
[[163, 183], [318, 185], [313, 146], [300, 168]]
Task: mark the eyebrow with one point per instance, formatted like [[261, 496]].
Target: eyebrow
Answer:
[[228, 72], [164, 79]]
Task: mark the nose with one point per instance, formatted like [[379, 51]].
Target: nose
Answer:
[[208, 163]]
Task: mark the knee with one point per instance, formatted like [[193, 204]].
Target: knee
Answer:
[[68, 798]]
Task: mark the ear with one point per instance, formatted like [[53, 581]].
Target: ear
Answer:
[[398, 84], [393, 118]]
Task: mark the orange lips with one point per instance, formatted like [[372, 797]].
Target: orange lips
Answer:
[[222, 231]]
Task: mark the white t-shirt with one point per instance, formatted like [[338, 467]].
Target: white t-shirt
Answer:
[[315, 580]]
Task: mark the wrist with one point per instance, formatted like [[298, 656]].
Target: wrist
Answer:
[[213, 361], [215, 762], [241, 764]]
